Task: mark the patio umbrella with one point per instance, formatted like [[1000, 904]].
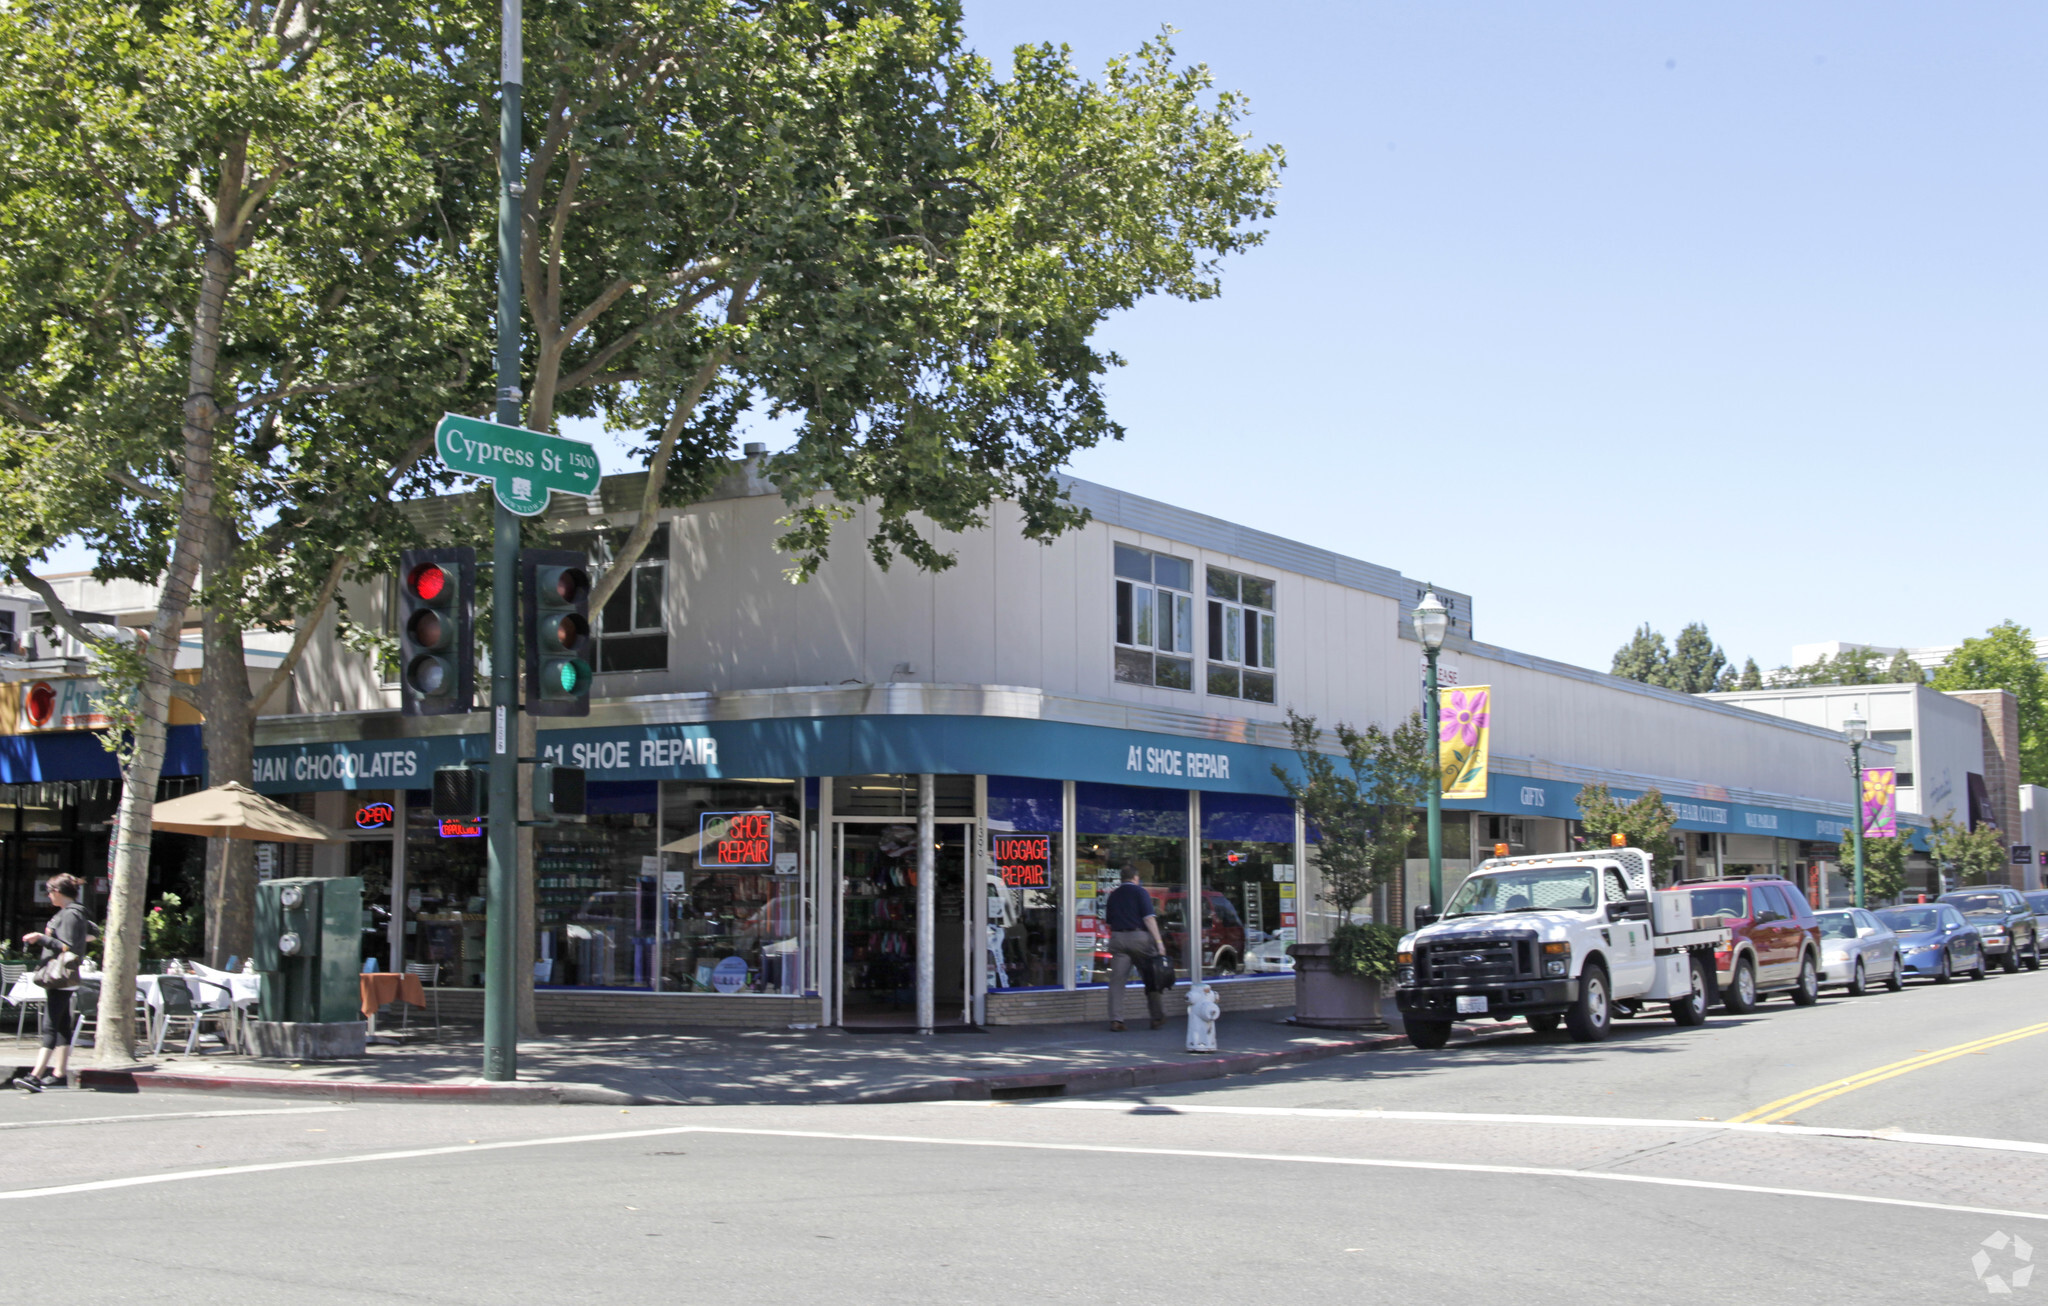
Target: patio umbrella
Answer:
[[235, 811]]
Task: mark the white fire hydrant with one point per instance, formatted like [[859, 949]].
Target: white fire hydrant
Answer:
[[1203, 1009]]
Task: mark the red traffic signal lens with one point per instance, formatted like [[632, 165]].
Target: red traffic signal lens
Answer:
[[571, 630], [571, 584], [428, 582]]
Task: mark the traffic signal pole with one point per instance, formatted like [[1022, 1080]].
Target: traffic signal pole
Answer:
[[501, 1017]]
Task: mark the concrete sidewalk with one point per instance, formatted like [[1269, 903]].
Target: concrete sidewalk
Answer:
[[727, 1067]]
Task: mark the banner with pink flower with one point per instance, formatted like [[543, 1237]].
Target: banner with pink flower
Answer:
[[1462, 716], [1881, 802]]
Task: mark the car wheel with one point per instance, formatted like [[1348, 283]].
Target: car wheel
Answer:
[[2034, 953], [1807, 991], [1858, 983], [1543, 1024], [1593, 1014], [2011, 961], [1429, 1035], [1897, 979], [1977, 971], [1740, 995], [1692, 1008], [1227, 962], [1947, 971]]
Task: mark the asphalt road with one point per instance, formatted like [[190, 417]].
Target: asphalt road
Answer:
[[1906, 1134]]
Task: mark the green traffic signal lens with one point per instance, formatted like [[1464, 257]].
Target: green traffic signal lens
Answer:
[[571, 676]]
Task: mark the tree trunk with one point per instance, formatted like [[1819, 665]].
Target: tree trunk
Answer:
[[230, 712], [114, 1045]]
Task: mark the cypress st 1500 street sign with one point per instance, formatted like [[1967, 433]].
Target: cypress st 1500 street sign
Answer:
[[524, 467]]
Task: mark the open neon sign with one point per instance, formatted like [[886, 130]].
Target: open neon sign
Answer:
[[375, 816], [736, 839]]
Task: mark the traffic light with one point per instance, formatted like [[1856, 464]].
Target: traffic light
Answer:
[[555, 584], [436, 631]]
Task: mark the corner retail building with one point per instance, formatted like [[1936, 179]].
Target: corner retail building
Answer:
[[1114, 698]]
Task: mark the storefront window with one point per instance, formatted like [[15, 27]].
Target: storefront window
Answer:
[[595, 887], [1024, 882], [732, 887], [1119, 826], [1248, 884], [444, 891]]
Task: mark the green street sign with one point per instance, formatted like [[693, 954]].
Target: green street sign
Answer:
[[524, 467]]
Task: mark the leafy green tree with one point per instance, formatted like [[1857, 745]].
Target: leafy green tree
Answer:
[[2004, 658], [842, 216], [1364, 810], [1647, 823], [1973, 856], [1696, 662], [1902, 670], [1884, 866], [205, 209], [1645, 657], [1752, 677]]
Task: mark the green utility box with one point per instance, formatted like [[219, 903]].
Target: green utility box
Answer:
[[309, 947]]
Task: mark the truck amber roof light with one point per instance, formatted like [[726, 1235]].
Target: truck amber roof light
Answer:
[[1617, 840], [1500, 850]]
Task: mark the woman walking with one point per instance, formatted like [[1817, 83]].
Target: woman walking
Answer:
[[64, 938]]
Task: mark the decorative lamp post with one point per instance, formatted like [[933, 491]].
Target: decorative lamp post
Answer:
[[1858, 730], [1432, 623]]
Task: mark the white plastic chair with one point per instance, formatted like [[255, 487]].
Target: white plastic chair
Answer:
[[10, 975]]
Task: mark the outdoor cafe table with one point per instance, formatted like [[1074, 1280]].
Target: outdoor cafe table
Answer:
[[380, 987]]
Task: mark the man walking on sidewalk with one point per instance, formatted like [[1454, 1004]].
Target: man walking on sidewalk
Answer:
[[1133, 933]]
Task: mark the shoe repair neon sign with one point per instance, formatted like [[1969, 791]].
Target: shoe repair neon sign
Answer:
[[735, 839]]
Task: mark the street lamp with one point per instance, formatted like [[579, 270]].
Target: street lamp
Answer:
[[1858, 730], [1432, 623]]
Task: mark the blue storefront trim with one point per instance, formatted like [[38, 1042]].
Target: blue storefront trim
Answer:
[[1514, 795], [77, 755], [810, 746]]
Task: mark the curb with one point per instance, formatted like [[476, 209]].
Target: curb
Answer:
[[1110, 1079], [475, 1092], [962, 1088]]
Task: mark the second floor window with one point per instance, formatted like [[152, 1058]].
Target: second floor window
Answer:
[[1155, 619], [1242, 636], [631, 633]]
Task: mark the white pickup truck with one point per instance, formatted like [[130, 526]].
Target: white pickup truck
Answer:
[[1563, 936]]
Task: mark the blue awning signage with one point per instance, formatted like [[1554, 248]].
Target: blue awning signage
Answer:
[[806, 746], [78, 755]]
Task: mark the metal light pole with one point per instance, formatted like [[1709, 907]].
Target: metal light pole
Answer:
[[501, 1018], [1858, 731], [1432, 623]]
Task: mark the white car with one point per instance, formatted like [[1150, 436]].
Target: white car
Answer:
[[1858, 950], [1268, 958]]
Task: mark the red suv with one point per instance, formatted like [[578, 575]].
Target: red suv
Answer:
[[1775, 943]]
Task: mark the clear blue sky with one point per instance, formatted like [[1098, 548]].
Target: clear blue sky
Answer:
[[1620, 313]]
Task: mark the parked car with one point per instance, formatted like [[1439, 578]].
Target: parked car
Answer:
[[1857, 949], [1774, 944], [2037, 901], [1935, 941], [2011, 934]]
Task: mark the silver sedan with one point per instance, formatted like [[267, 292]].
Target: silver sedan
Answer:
[[1858, 950]]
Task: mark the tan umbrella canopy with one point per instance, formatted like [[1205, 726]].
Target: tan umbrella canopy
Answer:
[[235, 811]]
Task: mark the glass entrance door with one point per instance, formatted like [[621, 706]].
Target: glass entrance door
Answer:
[[878, 923]]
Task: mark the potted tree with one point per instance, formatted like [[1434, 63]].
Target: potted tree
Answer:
[[1364, 814]]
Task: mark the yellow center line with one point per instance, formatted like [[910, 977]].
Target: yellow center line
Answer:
[[1770, 1112]]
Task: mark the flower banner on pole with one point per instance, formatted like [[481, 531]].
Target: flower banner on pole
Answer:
[[1462, 716], [1881, 802]]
